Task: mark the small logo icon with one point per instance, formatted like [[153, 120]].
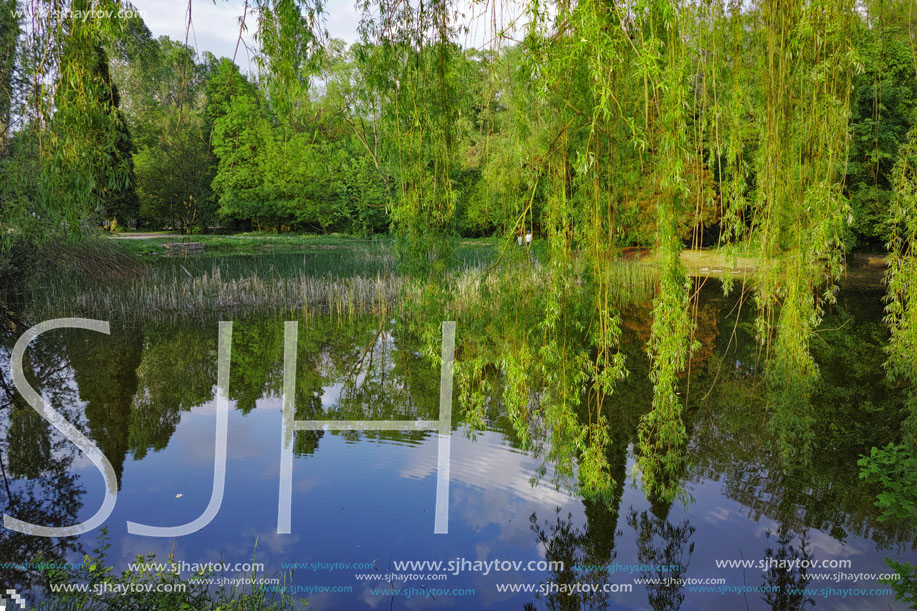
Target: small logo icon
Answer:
[[14, 599]]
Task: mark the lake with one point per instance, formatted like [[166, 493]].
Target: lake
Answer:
[[744, 533]]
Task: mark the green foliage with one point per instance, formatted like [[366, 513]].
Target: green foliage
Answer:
[[153, 589], [9, 34], [662, 434], [174, 181], [657, 123], [884, 97], [894, 468], [68, 165], [89, 170], [901, 307], [164, 85], [279, 179], [906, 587], [801, 212]]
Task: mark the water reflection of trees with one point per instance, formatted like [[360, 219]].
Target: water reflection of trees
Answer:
[[586, 552], [138, 381], [105, 372], [660, 543], [855, 409], [128, 390], [786, 576], [582, 554], [35, 462]]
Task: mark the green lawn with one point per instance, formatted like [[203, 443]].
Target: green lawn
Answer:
[[468, 250], [249, 243]]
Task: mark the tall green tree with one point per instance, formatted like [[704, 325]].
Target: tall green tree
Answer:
[[88, 172], [883, 101]]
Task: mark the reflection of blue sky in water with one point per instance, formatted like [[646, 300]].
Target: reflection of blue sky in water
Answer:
[[371, 497], [373, 501]]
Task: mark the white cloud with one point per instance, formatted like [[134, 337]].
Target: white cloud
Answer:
[[215, 23]]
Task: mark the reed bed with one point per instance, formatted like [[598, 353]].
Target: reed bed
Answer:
[[179, 288], [163, 293]]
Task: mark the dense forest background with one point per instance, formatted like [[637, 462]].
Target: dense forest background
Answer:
[[157, 136]]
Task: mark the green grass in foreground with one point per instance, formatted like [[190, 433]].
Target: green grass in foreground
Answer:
[[248, 243], [160, 589]]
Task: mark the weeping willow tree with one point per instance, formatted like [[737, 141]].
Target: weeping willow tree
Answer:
[[408, 55], [290, 37], [73, 152], [799, 210], [901, 275], [607, 126], [9, 35], [664, 70], [650, 100], [667, 114]]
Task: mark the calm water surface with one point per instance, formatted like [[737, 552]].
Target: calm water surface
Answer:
[[145, 395]]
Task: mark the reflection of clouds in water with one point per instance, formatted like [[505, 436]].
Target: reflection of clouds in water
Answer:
[[709, 503], [327, 601], [81, 461], [194, 437], [331, 394], [729, 514], [278, 544], [269, 403], [241, 548], [487, 464], [490, 491], [482, 550], [825, 547], [490, 485], [303, 485]]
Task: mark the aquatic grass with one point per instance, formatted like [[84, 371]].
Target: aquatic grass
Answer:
[[344, 282], [166, 292], [471, 289]]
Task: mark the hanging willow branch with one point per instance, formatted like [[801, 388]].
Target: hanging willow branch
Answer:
[[800, 211], [901, 280], [664, 57]]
